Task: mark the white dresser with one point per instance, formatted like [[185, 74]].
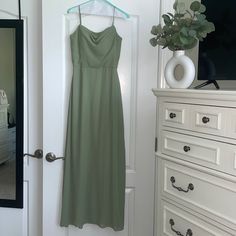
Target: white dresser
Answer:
[[196, 163]]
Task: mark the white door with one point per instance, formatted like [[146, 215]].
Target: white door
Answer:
[[138, 74], [27, 221]]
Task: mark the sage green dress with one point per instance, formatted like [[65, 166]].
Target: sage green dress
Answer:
[[94, 168]]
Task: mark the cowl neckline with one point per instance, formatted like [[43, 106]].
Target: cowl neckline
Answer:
[[98, 36], [97, 33]]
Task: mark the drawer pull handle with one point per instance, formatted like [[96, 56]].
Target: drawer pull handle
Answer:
[[205, 120], [172, 115], [188, 233], [187, 148], [190, 186]]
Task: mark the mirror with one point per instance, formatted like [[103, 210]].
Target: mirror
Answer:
[[11, 113]]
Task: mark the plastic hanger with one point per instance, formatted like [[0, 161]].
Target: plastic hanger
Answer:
[[75, 8]]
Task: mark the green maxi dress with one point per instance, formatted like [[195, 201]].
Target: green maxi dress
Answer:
[[94, 168]]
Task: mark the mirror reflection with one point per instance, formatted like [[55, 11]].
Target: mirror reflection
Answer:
[[7, 114]]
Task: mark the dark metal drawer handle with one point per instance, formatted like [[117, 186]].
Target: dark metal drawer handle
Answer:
[[188, 233], [172, 115], [187, 148], [205, 120], [190, 186]]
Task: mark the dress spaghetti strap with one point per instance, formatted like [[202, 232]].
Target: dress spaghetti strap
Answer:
[[80, 18], [113, 20]]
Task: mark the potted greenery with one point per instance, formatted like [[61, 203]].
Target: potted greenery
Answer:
[[181, 31]]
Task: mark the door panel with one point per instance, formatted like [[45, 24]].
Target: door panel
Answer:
[[137, 73], [25, 222]]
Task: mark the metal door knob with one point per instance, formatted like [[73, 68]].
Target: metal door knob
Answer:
[[37, 154], [51, 157]]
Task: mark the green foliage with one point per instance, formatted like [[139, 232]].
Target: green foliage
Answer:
[[183, 29]]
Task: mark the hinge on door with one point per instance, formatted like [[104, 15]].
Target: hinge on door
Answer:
[[156, 144]]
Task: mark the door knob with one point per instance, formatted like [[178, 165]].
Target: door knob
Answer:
[[51, 157], [37, 154]]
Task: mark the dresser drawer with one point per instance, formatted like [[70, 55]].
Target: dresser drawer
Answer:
[[4, 152], [208, 119], [175, 115], [212, 196], [231, 124], [176, 221], [3, 118], [3, 134], [193, 117], [205, 152]]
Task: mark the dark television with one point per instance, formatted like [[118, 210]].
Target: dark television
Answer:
[[217, 53]]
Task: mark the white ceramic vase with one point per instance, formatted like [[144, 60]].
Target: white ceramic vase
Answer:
[[179, 58]]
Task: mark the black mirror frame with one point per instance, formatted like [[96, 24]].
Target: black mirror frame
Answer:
[[18, 25]]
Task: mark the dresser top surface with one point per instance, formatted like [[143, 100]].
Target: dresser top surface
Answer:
[[226, 95]]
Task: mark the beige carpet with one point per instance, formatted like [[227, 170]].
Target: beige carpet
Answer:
[[8, 180]]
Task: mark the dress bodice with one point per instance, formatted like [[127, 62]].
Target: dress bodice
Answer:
[[95, 49]]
